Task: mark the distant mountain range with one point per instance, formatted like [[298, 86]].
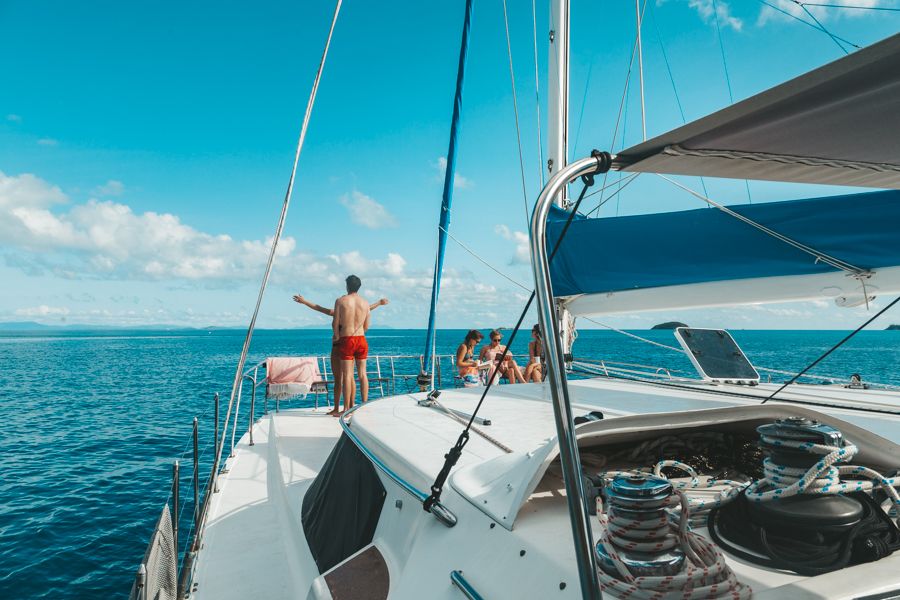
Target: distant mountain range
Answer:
[[33, 326]]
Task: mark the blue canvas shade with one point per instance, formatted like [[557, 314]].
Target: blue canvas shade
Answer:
[[707, 245]]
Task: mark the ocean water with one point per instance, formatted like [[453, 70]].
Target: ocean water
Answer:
[[93, 421]]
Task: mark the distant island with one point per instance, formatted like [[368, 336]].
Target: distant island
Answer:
[[894, 327], [669, 325]]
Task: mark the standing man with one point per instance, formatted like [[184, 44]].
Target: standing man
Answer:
[[351, 321], [335, 357]]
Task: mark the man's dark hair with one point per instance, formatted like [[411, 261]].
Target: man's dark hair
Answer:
[[353, 284], [474, 334]]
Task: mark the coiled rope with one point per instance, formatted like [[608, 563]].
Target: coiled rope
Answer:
[[824, 477], [706, 575]]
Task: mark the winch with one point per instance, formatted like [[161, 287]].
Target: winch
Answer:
[[639, 527], [802, 516]]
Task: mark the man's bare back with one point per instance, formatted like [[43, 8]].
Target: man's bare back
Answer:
[[351, 316]]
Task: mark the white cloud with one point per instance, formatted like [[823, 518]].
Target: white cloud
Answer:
[[14, 118], [42, 233], [707, 9], [821, 13], [522, 255], [367, 212], [47, 142], [460, 182], [42, 311], [110, 188]]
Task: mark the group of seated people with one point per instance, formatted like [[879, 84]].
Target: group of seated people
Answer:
[[489, 364]]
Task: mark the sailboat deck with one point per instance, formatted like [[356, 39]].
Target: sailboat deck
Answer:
[[255, 546]]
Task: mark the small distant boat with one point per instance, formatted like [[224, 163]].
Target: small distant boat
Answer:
[[612, 480]]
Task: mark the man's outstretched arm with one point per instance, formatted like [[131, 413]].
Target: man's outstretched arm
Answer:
[[381, 302], [314, 306]]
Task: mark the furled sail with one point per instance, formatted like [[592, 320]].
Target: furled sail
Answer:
[[839, 124], [841, 247]]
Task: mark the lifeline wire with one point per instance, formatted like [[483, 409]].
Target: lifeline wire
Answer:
[[279, 228], [832, 349]]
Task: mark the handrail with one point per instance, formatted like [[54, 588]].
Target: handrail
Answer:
[[441, 513]]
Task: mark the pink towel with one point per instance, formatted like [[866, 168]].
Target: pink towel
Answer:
[[289, 369]]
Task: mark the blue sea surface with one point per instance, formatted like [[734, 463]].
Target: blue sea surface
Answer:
[[94, 420]]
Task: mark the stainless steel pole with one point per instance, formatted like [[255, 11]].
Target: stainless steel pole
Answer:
[[215, 475], [196, 477], [556, 376], [175, 511], [252, 410]]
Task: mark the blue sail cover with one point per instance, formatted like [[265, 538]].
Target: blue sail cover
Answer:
[[706, 245]]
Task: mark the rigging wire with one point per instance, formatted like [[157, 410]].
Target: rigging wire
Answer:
[[832, 349], [727, 76], [639, 12], [452, 457], [281, 220], [537, 92], [819, 23], [528, 289], [622, 102], [587, 85], [887, 8], [805, 22], [622, 183], [512, 79], [665, 56]]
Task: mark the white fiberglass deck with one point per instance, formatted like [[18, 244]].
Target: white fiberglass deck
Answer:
[[255, 547]]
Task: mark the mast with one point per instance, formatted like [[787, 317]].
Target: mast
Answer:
[[558, 129], [558, 93], [425, 378]]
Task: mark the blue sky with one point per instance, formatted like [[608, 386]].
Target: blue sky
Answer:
[[145, 148]]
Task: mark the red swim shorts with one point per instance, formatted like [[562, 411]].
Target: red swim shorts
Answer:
[[353, 347]]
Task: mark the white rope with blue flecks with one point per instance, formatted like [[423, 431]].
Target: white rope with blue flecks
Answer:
[[823, 477]]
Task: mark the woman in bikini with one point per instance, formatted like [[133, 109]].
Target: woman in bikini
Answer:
[[465, 362], [534, 370], [507, 369]]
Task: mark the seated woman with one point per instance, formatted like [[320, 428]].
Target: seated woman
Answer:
[[508, 369], [468, 367], [534, 370]]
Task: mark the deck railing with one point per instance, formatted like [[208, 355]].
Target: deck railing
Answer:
[[388, 375]]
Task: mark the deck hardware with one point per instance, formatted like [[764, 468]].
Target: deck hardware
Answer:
[[442, 514], [140, 582], [175, 511], [456, 577], [562, 585], [214, 475], [398, 503], [196, 477], [521, 553]]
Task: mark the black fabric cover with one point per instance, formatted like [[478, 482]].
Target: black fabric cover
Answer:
[[342, 506]]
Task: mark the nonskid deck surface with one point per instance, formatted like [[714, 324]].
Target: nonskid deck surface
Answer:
[[254, 545]]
